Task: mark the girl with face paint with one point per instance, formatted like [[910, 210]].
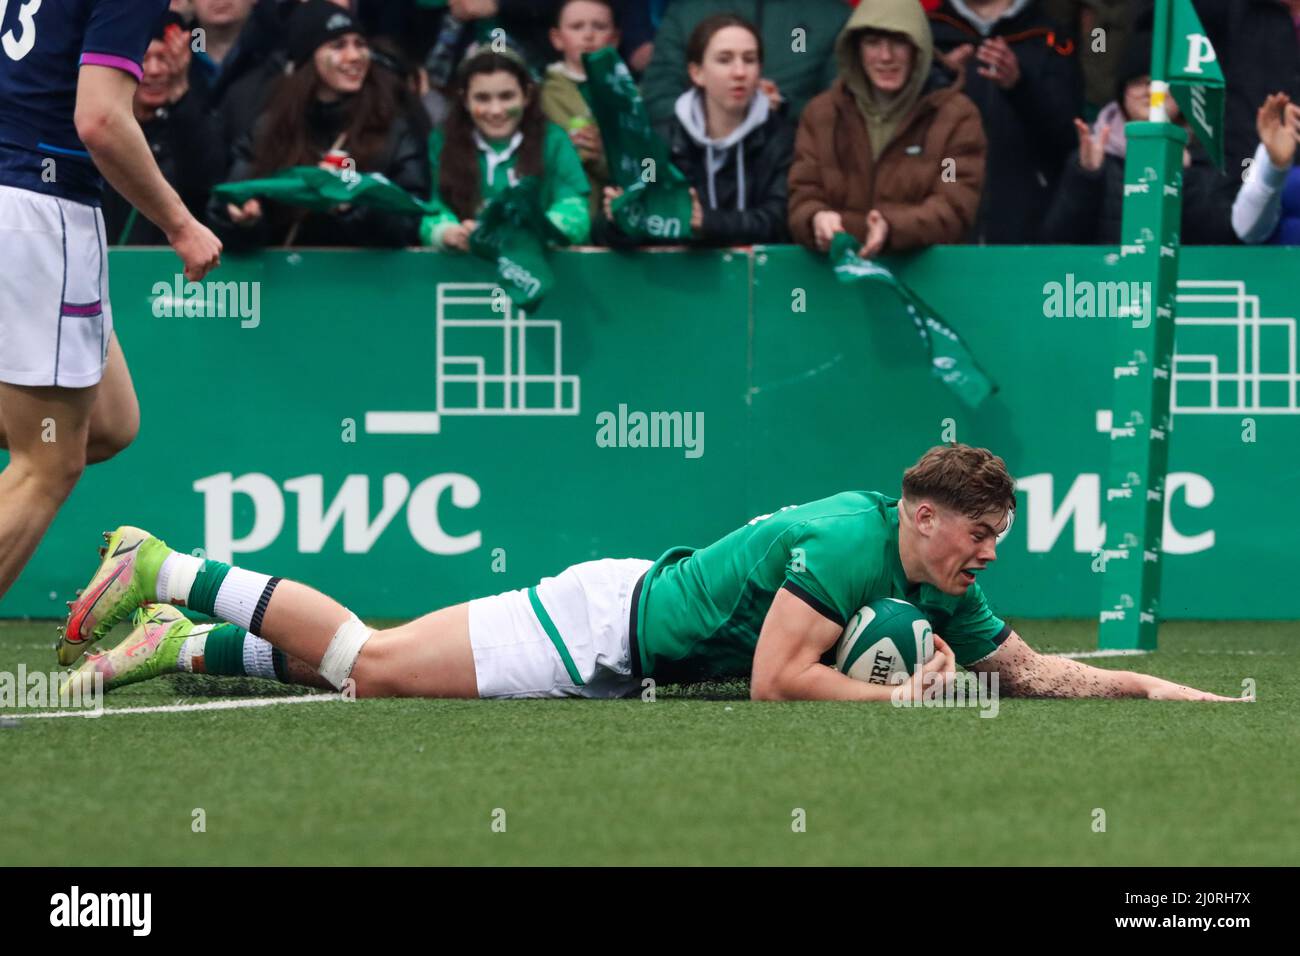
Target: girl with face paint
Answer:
[[495, 136], [336, 110]]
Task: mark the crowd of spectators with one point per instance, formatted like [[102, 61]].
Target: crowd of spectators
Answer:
[[906, 123]]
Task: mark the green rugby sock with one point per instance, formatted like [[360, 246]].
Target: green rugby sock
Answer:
[[203, 592], [230, 651], [223, 655]]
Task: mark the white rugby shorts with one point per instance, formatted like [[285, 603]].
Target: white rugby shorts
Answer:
[[567, 637], [55, 320]]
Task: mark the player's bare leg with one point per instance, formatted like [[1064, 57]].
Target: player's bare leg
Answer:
[[47, 429], [115, 414], [428, 657]]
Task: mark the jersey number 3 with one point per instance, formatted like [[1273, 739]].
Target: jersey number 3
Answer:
[[18, 46]]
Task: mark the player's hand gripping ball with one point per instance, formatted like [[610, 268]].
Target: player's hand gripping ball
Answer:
[[883, 642]]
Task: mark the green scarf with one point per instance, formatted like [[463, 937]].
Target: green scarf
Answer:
[[656, 200], [513, 232], [950, 360]]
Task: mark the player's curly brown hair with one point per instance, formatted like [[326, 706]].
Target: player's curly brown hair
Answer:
[[973, 481]]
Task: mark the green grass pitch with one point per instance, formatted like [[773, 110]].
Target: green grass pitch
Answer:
[[700, 776]]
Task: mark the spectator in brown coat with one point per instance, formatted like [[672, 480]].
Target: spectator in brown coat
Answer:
[[893, 152]]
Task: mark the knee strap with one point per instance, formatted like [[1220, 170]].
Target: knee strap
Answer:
[[343, 650]]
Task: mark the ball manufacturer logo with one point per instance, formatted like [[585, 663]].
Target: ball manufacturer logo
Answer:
[[881, 667]]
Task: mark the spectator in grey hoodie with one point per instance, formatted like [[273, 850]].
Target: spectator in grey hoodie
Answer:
[[728, 141]]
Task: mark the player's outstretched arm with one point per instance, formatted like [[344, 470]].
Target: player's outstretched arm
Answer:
[[108, 129], [787, 659], [1023, 672]]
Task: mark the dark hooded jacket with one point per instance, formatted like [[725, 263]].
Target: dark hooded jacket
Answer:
[[1030, 128], [925, 167]]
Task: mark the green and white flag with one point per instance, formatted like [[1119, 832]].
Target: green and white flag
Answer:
[[950, 360], [320, 190], [656, 200], [514, 232], [1194, 77]]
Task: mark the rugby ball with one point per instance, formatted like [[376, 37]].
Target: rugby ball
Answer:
[[882, 642]]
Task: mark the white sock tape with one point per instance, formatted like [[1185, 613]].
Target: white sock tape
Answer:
[[343, 651]]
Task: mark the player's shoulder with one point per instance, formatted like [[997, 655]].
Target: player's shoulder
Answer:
[[853, 525], [853, 511]]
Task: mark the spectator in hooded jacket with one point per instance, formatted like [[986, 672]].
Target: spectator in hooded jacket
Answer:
[[180, 134], [333, 104], [728, 142], [1267, 208], [1089, 203], [893, 152], [1023, 73], [495, 136]]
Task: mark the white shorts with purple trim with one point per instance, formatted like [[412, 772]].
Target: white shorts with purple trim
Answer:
[[55, 320]]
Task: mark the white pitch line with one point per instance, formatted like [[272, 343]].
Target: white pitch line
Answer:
[[180, 708], [1076, 655]]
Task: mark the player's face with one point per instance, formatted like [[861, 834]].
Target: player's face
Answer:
[[730, 70], [495, 102], [584, 28], [342, 64], [959, 547]]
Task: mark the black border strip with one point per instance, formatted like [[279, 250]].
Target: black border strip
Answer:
[[255, 622], [813, 603], [633, 644]]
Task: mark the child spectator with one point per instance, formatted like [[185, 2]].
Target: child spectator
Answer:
[[893, 153], [333, 102], [495, 135], [581, 26], [1089, 203]]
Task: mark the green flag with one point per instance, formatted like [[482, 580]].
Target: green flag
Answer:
[[513, 232], [1195, 79], [950, 360], [322, 189], [656, 200]]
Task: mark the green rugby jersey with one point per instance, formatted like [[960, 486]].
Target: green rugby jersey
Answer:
[[699, 612]]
